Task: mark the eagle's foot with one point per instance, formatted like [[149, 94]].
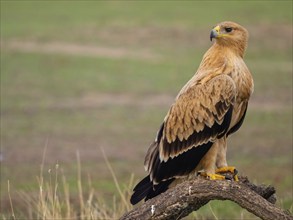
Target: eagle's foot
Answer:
[[213, 176], [230, 169]]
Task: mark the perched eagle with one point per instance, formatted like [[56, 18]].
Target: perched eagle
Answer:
[[193, 137]]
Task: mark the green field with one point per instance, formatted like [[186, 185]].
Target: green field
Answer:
[[81, 76]]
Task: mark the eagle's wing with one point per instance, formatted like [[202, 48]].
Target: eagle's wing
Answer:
[[200, 114]]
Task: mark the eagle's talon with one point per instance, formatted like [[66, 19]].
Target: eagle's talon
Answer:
[[227, 169], [212, 176]]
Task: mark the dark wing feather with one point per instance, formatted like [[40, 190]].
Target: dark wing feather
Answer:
[[240, 122]]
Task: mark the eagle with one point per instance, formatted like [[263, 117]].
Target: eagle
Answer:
[[192, 139]]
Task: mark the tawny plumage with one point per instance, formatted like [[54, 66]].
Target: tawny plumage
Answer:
[[210, 107]]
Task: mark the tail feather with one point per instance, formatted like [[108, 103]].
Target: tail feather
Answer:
[[141, 190], [143, 184], [146, 189]]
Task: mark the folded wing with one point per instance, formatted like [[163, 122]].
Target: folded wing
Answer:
[[201, 114]]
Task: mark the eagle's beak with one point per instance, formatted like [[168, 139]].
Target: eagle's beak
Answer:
[[215, 32]]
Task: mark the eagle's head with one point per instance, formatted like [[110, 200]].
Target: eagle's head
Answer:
[[230, 34]]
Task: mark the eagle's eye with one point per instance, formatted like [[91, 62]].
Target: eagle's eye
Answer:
[[228, 29]]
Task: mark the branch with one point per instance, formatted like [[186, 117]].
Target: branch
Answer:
[[189, 196]]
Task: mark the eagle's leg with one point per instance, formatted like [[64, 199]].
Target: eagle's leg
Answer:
[[207, 165], [221, 163]]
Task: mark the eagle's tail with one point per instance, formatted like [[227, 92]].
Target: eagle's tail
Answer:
[[146, 189]]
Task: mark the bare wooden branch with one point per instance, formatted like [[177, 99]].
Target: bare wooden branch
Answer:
[[189, 196]]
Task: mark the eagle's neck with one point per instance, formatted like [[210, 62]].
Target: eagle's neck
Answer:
[[221, 56]]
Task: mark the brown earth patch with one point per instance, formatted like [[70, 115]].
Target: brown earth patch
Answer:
[[122, 99], [77, 49]]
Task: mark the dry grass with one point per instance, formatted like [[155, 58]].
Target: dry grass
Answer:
[[54, 199]]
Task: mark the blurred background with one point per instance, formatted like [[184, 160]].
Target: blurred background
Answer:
[[80, 76]]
